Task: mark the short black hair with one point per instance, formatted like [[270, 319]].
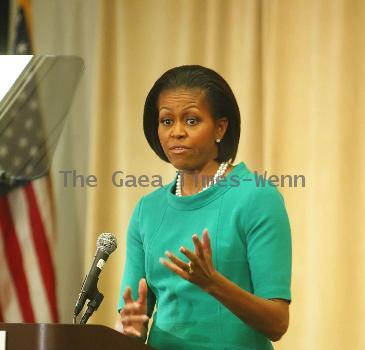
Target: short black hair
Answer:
[[219, 97]]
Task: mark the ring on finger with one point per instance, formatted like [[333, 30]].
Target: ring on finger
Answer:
[[190, 269]]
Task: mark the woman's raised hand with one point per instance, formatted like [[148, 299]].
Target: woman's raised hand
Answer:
[[134, 313], [200, 269]]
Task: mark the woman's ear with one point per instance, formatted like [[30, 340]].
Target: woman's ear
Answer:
[[222, 125]]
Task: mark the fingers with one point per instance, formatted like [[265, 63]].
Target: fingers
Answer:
[[203, 247], [190, 255], [206, 246], [133, 314], [198, 246], [182, 264], [202, 251], [142, 291], [206, 240], [175, 268], [130, 319], [132, 332], [127, 330], [131, 307], [127, 296], [201, 261]]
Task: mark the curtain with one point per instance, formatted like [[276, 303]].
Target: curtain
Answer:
[[69, 28], [297, 69]]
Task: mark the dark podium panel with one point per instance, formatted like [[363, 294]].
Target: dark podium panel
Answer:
[[44, 336]]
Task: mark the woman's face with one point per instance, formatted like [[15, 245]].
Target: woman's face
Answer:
[[186, 128]]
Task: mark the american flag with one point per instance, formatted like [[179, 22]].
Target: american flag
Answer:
[[27, 234]]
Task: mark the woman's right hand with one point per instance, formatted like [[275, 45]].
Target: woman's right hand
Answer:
[[134, 317]]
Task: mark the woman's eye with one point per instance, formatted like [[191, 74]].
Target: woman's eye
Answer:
[[192, 121], [165, 121]]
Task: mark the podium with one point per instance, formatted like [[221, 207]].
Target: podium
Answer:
[[44, 336]]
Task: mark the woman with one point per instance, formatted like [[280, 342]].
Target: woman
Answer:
[[229, 289]]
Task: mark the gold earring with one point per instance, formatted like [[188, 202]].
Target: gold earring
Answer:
[[218, 140]]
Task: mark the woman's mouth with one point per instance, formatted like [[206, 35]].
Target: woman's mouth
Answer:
[[179, 149]]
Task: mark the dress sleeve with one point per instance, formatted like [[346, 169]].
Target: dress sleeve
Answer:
[[134, 267], [269, 248]]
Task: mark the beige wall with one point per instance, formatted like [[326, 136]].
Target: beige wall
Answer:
[[297, 69]]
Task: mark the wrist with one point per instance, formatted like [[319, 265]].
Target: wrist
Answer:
[[213, 286]]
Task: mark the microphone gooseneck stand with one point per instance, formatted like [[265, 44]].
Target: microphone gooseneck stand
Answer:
[[92, 306]]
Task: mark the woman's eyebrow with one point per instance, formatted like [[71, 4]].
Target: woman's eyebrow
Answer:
[[192, 105], [164, 108]]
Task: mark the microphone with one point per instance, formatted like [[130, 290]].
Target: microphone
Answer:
[[105, 245]]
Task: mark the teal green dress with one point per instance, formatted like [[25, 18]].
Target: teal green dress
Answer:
[[251, 244]]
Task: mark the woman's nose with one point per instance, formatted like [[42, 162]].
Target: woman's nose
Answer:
[[178, 130]]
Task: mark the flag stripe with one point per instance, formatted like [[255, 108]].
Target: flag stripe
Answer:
[[8, 298], [43, 192], [15, 260], [42, 249], [38, 297]]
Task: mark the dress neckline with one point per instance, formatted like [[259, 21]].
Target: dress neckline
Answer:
[[201, 199]]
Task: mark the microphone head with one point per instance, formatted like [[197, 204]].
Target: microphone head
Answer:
[[107, 243]]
